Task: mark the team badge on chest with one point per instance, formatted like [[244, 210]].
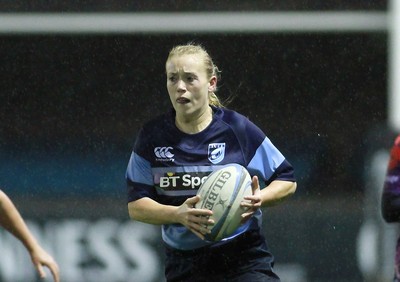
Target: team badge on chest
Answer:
[[216, 152]]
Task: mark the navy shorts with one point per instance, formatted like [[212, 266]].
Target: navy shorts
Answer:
[[245, 258]]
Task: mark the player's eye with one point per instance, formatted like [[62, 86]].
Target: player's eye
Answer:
[[172, 78], [190, 78]]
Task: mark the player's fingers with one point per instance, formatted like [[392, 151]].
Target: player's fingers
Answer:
[[192, 201], [198, 234], [200, 227], [255, 186], [246, 216], [199, 214], [54, 271], [56, 274], [199, 219], [251, 199], [251, 202], [199, 230], [40, 270]]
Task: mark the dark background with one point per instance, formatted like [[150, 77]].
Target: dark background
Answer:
[[316, 96]]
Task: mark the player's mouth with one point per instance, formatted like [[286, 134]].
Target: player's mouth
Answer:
[[182, 100]]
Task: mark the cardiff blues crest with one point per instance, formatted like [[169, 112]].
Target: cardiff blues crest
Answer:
[[216, 152]]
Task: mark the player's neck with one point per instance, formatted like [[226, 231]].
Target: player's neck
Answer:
[[194, 125]]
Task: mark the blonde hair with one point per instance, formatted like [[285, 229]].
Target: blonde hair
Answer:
[[211, 68]]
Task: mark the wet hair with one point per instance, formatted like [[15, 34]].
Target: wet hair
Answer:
[[211, 68]]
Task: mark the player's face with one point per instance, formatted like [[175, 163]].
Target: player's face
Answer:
[[188, 85]]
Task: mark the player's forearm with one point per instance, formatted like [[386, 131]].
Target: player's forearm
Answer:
[[149, 211], [12, 221], [276, 192]]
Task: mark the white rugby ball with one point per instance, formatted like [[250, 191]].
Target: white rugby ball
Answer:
[[222, 192]]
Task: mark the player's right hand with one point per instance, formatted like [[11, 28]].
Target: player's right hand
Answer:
[[196, 220]]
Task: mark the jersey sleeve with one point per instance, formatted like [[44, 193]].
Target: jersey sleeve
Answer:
[[262, 157], [391, 188], [270, 163], [138, 175]]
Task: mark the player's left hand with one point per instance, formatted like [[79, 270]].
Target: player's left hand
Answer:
[[253, 202], [41, 258]]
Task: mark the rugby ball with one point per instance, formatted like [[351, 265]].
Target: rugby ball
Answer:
[[222, 192]]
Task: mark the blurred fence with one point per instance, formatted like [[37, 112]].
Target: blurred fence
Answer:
[[94, 241]]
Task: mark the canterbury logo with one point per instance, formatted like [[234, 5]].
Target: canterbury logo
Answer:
[[163, 153]]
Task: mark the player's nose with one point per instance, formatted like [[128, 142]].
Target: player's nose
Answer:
[[181, 86]]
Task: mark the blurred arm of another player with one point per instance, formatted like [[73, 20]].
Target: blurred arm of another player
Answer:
[[12, 221], [390, 202]]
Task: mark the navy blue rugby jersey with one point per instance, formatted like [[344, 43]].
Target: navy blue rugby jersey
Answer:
[[169, 166]]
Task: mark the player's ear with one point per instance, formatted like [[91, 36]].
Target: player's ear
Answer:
[[212, 84]]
